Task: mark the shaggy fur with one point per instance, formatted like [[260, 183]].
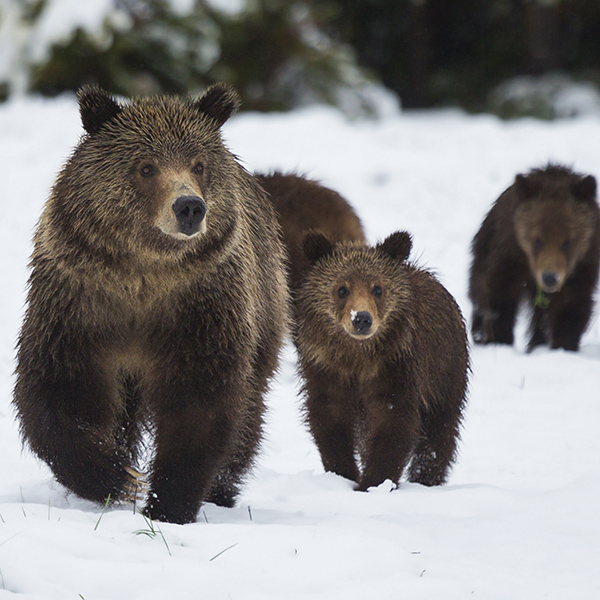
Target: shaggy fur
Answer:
[[540, 243], [303, 205], [157, 298], [383, 355]]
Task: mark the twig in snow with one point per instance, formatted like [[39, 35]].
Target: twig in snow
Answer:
[[22, 502], [223, 551], [103, 511]]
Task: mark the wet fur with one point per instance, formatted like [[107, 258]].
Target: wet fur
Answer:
[[304, 205], [128, 327], [393, 401]]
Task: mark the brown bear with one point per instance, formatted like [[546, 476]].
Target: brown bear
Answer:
[[304, 205], [157, 299], [539, 243], [383, 355]]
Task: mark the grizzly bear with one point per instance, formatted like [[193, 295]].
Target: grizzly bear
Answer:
[[304, 205], [539, 244], [383, 355], [157, 302]]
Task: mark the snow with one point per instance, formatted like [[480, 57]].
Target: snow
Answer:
[[518, 518]]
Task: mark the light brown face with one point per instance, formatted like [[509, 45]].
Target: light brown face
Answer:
[[554, 236], [358, 306], [179, 204]]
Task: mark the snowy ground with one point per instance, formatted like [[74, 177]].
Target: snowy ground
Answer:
[[519, 516]]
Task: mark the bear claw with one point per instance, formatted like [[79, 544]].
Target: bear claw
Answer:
[[136, 487]]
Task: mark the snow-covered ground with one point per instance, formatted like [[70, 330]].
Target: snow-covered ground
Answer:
[[519, 517]]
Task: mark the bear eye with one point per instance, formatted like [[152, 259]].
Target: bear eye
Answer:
[[566, 246], [377, 291], [343, 292], [198, 169], [148, 170], [537, 244]]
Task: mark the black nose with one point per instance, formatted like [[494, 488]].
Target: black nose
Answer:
[[550, 279], [362, 321], [190, 212]]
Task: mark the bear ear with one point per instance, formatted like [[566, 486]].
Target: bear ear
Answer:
[[96, 108], [585, 188], [527, 186], [397, 245], [316, 246], [219, 102]]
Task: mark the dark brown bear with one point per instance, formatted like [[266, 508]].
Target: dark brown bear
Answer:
[[304, 205], [157, 298], [383, 354], [540, 243]]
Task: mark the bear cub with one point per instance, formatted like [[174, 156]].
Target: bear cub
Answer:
[[157, 301], [383, 355], [304, 205], [539, 243]]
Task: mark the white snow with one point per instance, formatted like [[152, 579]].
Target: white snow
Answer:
[[519, 517]]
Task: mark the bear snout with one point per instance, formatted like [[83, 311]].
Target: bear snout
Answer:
[[362, 322], [550, 281], [190, 212]]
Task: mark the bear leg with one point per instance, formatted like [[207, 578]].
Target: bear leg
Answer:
[[537, 329], [70, 421], [436, 449], [191, 443], [331, 419], [569, 315], [334, 437], [568, 329], [226, 485], [130, 428], [495, 303], [482, 326], [392, 432]]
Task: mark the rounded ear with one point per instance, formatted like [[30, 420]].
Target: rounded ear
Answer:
[[96, 107], [585, 188], [219, 102], [316, 246], [397, 245], [527, 186]]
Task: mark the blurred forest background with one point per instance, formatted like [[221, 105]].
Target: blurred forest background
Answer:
[[511, 57]]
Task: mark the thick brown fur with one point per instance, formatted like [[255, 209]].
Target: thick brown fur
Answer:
[[304, 205], [540, 243], [136, 320], [383, 355]]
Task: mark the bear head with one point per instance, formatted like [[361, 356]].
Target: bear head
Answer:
[[152, 175], [352, 289], [554, 222]]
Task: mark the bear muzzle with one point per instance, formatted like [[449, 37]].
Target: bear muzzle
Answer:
[[362, 324], [550, 281], [189, 212]]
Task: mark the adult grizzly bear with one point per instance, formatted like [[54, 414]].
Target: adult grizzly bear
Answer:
[[540, 243], [304, 205], [383, 355], [157, 296]]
